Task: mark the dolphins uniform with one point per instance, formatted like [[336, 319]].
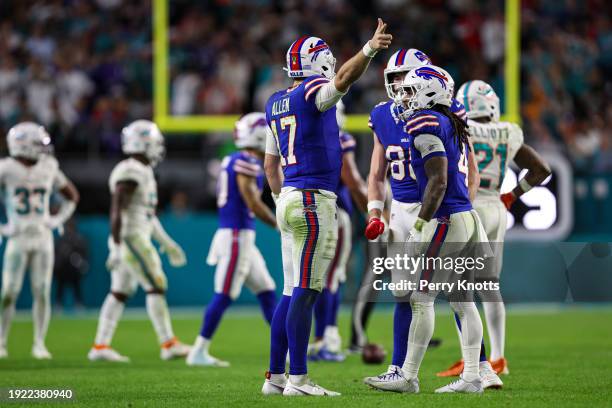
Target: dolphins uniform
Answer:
[[307, 141], [233, 251], [27, 191], [140, 261], [495, 145]]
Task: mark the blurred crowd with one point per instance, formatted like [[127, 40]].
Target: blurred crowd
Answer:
[[84, 68]]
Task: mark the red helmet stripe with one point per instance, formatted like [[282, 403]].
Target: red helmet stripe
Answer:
[[294, 54], [401, 55], [318, 48]]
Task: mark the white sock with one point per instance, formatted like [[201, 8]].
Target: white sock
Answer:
[[41, 313], [8, 311], [495, 314], [157, 308], [421, 330], [298, 379], [471, 337], [331, 339], [278, 378], [110, 314], [202, 344]]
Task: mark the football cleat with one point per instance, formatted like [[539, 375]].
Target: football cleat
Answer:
[[453, 371], [326, 355], [393, 380], [462, 386], [40, 352], [3, 352], [308, 389], [489, 376], [274, 386], [173, 349], [500, 366], [106, 353], [201, 358]]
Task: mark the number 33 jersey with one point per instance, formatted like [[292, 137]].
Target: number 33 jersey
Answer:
[[27, 190], [306, 139], [495, 145], [426, 129], [137, 217]]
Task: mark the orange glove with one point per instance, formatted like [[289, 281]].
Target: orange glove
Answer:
[[374, 228], [508, 199]]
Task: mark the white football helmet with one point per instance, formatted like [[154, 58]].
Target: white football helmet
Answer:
[[143, 137], [250, 131], [480, 100], [310, 56], [423, 88], [403, 60], [28, 140], [340, 114]]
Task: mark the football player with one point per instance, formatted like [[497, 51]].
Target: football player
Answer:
[[233, 249], [328, 343], [439, 146], [132, 259], [389, 154], [28, 178], [304, 140], [496, 144]]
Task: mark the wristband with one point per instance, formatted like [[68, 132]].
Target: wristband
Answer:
[[525, 186], [375, 205], [368, 51], [418, 224]]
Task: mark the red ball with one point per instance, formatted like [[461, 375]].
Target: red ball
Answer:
[[373, 354]]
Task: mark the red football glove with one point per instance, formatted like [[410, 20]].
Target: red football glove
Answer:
[[374, 228], [508, 199]]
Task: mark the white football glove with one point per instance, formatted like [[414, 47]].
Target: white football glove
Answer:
[[55, 223], [415, 244], [175, 254], [115, 254]]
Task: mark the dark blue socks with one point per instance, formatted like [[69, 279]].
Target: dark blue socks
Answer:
[[402, 317], [278, 335], [213, 314], [267, 302], [299, 320]]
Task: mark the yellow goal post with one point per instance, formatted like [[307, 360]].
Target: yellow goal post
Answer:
[[355, 123]]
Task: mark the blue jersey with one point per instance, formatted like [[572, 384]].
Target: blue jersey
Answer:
[[389, 130], [307, 139], [233, 211], [347, 144], [456, 199]]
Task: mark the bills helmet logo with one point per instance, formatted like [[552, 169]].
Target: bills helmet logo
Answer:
[[430, 73], [420, 55]]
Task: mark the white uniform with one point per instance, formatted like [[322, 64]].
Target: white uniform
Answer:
[[140, 261], [337, 268], [495, 145], [26, 193]]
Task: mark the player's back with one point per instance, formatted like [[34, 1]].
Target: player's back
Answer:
[[233, 211], [307, 139], [495, 145], [137, 216], [429, 122], [27, 190], [389, 130]]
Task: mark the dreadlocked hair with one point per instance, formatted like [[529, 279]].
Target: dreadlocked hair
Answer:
[[459, 126]]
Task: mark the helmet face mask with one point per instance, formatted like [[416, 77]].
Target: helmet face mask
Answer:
[[480, 100], [309, 56], [250, 132], [401, 62], [423, 88], [28, 140]]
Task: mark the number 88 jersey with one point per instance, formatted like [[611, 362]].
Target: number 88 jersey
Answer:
[[495, 145], [389, 130], [27, 190]]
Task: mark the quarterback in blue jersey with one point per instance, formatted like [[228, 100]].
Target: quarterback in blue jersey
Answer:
[[391, 152], [304, 141], [439, 146], [233, 251], [327, 344]]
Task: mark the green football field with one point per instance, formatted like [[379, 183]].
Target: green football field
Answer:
[[557, 358]]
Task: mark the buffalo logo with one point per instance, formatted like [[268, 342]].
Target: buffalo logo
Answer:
[[316, 50], [430, 73], [420, 55]]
